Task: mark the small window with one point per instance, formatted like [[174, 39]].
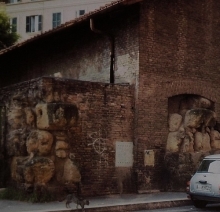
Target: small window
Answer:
[[13, 1], [13, 22], [34, 23], [39, 22], [56, 20], [81, 12]]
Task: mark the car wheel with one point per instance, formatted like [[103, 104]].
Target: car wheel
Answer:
[[199, 203]]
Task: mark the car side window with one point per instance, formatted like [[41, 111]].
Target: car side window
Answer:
[[204, 166], [214, 167]]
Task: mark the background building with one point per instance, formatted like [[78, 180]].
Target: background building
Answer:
[[32, 17]]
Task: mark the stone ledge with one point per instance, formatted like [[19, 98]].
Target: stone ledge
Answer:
[[148, 191], [132, 207]]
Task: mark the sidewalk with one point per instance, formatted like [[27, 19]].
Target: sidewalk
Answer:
[[125, 202]]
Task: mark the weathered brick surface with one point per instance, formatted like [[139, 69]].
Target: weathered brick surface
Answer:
[[178, 55], [171, 48], [105, 116]]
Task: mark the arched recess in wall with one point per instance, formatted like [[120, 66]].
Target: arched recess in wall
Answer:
[[205, 89], [192, 124]]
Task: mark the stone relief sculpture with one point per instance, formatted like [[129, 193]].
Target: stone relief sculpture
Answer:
[[37, 140], [192, 127]]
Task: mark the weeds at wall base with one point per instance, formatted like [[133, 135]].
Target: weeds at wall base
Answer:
[[20, 195]]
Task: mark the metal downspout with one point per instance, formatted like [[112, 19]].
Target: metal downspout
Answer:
[[112, 47]]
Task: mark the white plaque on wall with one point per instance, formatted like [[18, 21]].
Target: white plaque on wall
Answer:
[[124, 154], [149, 159]]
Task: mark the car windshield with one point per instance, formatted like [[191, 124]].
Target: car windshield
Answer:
[[212, 166]]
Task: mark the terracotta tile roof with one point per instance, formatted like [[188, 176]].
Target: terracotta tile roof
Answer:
[[103, 9]]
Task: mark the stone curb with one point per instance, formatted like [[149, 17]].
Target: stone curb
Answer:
[[132, 207]]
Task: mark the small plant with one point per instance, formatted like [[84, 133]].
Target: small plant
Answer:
[[15, 194], [7, 36]]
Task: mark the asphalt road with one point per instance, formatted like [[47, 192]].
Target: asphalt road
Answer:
[[190, 208]]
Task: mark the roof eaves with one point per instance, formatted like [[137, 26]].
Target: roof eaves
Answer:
[[72, 22]]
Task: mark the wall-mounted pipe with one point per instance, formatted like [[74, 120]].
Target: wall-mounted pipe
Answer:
[[112, 47]]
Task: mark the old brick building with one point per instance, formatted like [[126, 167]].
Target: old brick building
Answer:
[[129, 68]]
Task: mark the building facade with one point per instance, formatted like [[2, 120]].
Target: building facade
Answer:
[[31, 18], [145, 128]]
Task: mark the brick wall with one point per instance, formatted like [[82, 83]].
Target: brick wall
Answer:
[[106, 110], [105, 117], [178, 55], [171, 50]]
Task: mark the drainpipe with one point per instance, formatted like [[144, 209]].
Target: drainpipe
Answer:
[[112, 55]]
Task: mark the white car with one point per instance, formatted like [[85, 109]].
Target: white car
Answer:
[[205, 183]]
